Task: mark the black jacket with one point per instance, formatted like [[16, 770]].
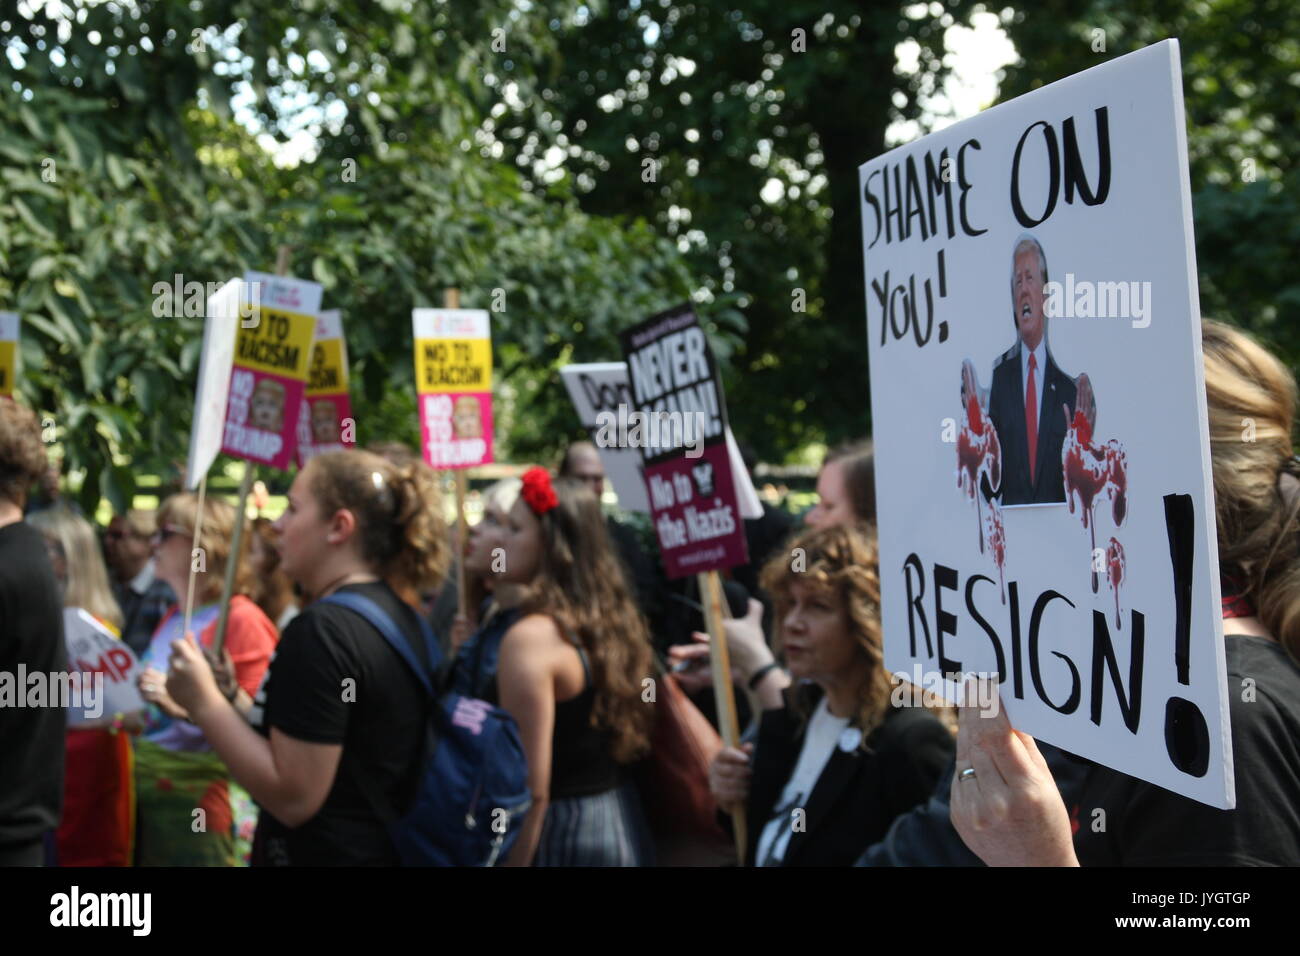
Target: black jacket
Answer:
[[1007, 411], [859, 792]]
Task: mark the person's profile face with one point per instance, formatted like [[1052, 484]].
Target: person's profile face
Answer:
[[833, 506], [301, 531], [1027, 297], [815, 637], [484, 540], [523, 544]]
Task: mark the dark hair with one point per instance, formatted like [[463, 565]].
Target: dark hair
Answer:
[[580, 583], [22, 453], [859, 461], [398, 510]]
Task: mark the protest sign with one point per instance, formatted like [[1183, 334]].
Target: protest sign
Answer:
[[1045, 506], [9, 325], [325, 420], [601, 396], [453, 377], [679, 421], [218, 356], [93, 650], [272, 357]]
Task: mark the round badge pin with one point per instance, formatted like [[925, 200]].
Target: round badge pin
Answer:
[[850, 739]]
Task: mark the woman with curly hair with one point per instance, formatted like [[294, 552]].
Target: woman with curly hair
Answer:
[[835, 760], [338, 724], [570, 671]]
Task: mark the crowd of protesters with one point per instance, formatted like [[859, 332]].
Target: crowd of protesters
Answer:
[[294, 740]]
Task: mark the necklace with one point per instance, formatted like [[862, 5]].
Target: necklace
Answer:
[[353, 577]]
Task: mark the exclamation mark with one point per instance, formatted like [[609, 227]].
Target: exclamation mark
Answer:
[[1187, 738], [943, 292]]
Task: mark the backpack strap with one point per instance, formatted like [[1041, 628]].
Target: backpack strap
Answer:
[[379, 619]]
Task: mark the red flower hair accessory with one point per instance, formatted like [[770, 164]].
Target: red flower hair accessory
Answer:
[[537, 491]]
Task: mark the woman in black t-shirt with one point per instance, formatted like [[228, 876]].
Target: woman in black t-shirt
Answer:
[[1009, 811], [337, 705]]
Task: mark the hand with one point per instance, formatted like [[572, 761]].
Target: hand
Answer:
[[460, 631], [1086, 400], [969, 386], [153, 689], [695, 678], [223, 671], [189, 677], [746, 643], [1009, 813], [729, 776]]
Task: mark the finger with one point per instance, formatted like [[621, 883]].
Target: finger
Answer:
[[700, 636], [754, 611], [1033, 753], [1066, 409]]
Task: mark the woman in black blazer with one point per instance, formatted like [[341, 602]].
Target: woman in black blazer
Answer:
[[835, 760]]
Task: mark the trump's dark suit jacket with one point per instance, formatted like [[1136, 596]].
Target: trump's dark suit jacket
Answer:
[[1007, 410]]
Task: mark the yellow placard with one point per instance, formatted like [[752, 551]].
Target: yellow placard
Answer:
[[453, 365], [7, 369], [329, 373], [275, 341]]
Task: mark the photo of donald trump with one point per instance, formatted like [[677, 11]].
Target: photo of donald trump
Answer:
[[1031, 401]]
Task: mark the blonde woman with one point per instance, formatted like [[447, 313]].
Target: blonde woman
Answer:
[[176, 771], [98, 820]]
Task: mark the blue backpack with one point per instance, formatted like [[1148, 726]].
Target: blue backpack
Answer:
[[472, 787]]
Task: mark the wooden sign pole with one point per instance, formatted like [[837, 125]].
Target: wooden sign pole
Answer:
[[241, 511], [451, 300], [723, 693]]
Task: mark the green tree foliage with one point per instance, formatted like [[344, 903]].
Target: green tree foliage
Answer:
[[121, 167], [717, 100]]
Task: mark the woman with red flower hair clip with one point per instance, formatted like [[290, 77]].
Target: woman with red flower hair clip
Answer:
[[570, 671]]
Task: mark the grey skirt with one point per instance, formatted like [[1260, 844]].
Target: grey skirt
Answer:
[[604, 829]]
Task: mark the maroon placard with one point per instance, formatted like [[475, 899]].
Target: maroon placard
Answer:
[[678, 403]]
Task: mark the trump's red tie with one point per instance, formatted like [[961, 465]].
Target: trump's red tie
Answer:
[[1031, 417]]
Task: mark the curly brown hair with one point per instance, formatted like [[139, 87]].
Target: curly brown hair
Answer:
[[399, 515], [842, 562], [22, 453], [580, 583]]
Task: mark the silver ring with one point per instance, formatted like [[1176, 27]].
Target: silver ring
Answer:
[[967, 774]]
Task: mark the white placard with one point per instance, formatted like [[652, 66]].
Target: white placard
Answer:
[[219, 327], [1091, 172], [599, 387], [108, 667]]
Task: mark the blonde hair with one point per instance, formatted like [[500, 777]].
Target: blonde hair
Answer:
[[398, 509], [87, 584], [180, 511], [1251, 400]]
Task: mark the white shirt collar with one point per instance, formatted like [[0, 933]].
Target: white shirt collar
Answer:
[[140, 583]]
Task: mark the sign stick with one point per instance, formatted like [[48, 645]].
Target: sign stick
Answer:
[[194, 546], [723, 693], [241, 512], [451, 300]]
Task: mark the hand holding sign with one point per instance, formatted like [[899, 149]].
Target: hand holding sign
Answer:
[[190, 680], [1005, 803]]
